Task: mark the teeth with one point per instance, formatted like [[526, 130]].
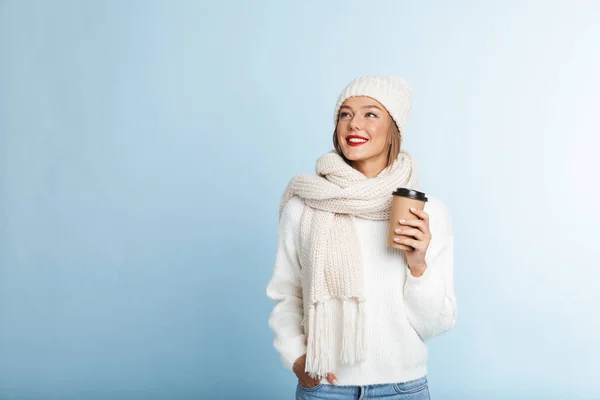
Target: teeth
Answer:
[[355, 140]]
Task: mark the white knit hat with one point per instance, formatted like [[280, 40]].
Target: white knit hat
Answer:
[[391, 91]]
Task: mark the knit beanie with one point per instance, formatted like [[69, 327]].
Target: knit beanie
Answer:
[[391, 91]]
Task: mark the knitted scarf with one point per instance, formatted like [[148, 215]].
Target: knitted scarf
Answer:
[[330, 252]]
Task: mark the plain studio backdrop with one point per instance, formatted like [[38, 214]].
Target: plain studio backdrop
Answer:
[[144, 147]]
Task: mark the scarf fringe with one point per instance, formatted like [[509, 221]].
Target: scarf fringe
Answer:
[[319, 360], [353, 346]]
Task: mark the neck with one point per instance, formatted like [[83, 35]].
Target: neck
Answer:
[[370, 167]]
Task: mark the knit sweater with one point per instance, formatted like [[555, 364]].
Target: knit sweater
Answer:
[[401, 311]]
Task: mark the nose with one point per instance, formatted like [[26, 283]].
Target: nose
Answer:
[[355, 124]]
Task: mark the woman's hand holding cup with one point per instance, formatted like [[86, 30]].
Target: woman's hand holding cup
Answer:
[[417, 235], [409, 228]]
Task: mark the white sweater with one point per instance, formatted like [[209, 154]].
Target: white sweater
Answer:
[[401, 311]]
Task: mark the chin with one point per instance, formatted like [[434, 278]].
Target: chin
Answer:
[[357, 156]]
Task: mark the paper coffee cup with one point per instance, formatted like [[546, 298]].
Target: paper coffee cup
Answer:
[[403, 200]]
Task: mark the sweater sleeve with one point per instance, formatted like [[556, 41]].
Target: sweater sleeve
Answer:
[[430, 299], [285, 287]]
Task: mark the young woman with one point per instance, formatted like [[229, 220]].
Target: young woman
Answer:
[[352, 314]]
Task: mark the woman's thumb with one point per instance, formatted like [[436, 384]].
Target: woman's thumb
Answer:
[[332, 379]]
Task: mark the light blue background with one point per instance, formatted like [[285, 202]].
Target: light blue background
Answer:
[[144, 147]]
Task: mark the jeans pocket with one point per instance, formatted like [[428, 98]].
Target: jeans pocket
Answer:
[[415, 386]]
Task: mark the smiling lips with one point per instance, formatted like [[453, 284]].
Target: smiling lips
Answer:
[[355, 140]]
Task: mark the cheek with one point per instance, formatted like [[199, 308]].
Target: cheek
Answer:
[[378, 131], [339, 131]]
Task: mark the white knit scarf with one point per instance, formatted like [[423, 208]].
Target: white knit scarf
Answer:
[[330, 253]]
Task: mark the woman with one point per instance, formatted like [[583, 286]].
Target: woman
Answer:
[[352, 314]]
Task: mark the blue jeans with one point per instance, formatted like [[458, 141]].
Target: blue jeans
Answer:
[[413, 390]]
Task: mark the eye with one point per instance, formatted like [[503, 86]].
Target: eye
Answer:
[[371, 115], [344, 114]]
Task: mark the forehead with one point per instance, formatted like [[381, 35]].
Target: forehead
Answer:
[[361, 101]]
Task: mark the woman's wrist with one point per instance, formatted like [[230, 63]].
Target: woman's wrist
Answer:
[[417, 270]]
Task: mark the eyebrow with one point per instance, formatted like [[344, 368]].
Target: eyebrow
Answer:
[[363, 107]]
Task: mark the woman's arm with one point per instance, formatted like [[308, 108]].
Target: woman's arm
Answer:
[[285, 287], [429, 298]]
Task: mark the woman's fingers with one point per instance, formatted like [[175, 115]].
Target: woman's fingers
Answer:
[[421, 214], [421, 224], [411, 232], [417, 223], [415, 244], [332, 379]]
